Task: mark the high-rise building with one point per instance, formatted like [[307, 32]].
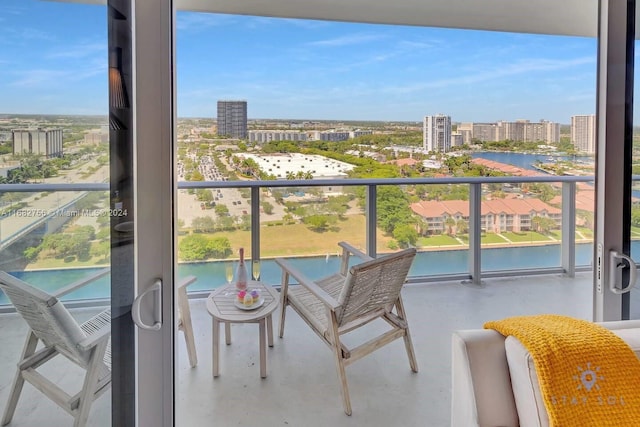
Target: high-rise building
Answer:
[[466, 129], [45, 142], [437, 133], [485, 132], [583, 133], [232, 119]]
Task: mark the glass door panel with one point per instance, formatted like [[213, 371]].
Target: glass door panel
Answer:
[[55, 207]]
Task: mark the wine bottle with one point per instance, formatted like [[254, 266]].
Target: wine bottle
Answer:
[[241, 276]]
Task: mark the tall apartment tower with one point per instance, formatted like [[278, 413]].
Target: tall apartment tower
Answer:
[[232, 119], [44, 142], [437, 133], [583, 133]]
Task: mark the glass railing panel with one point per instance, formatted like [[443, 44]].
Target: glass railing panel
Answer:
[[585, 222], [213, 224], [439, 228], [305, 225], [521, 226], [54, 238]]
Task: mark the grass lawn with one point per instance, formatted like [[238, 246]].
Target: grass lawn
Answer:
[[556, 234], [586, 232], [529, 236], [297, 239], [437, 240], [488, 238]]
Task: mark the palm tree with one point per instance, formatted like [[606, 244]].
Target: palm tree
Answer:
[[450, 222], [461, 226]]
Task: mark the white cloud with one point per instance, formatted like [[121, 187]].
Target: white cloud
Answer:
[[33, 78], [521, 67], [81, 50], [348, 40]]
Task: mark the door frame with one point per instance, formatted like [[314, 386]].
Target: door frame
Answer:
[[154, 154], [614, 129]]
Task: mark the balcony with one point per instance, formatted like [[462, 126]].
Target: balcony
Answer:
[[438, 302], [302, 386]]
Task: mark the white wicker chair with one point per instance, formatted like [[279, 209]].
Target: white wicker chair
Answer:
[[184, 319], [353, 297], [87, 345]]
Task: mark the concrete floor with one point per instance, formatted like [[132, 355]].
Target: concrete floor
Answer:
[[302, 387]]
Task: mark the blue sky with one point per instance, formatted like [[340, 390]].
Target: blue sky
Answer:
[[53, 59]]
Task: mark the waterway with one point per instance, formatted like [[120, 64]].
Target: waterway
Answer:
[[526, 161], [211, 274]]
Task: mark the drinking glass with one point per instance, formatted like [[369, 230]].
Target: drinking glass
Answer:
[[255, 269], [228, 270]]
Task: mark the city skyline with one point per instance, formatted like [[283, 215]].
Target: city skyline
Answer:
[[303, 69]]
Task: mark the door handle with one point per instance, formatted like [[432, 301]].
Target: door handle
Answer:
[[157, 308], [616, 263]]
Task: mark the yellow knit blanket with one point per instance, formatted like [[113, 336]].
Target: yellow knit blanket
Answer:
[[589, 377]]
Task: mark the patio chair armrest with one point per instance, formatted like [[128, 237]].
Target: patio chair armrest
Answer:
[[95, 338], [316, 290], [355, 251], [80, 283], [186, 282]]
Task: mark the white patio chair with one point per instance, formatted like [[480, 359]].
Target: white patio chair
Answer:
[[353, 297], [184, 319], [86, 344]]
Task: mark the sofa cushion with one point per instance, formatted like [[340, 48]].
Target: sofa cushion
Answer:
[[524, 380]]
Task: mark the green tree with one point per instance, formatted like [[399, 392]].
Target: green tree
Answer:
[[450, 222], [316, 222], [31, 253], [337, 205], [219, 247], [204, 195], [405, 235], [462, 227], [194, 247], [203, 224], [393, 208], [221, 210], [101, 250], [267, 207]]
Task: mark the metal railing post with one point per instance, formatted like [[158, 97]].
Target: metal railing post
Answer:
[[568, 247], [475, 231], [371, 213], [255, 223]]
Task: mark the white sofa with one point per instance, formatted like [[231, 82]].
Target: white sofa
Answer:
[[482, 393]]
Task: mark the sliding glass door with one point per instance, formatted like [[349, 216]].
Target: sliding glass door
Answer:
[[614, 269]]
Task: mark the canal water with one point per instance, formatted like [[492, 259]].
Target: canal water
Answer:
[[526, 161], [212, 274]]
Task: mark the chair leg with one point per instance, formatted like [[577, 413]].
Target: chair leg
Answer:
[[283, 301], [18, 382], [90, 383], [190, 341], [408, 344], [342, 375]]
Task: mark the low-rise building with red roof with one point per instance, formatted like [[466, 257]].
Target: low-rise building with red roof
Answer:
[[497, 215]]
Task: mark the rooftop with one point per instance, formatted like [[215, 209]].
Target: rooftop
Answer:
[[282, 164]]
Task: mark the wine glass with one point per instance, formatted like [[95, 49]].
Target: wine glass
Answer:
[[228, 270], [255, 269]]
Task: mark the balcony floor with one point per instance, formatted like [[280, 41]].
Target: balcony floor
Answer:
[[302, 387]]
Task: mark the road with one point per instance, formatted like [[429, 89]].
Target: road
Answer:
[[17, 222]]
